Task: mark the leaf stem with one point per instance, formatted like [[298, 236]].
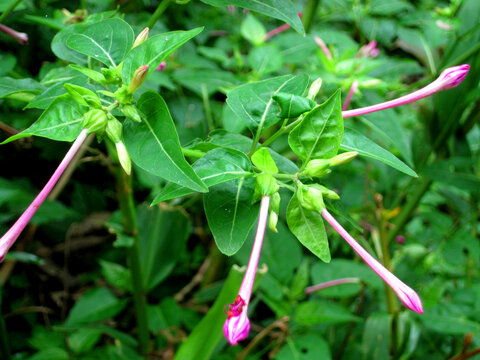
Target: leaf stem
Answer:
[[283, 129], [7, 12], [158, 12], [127, 207]]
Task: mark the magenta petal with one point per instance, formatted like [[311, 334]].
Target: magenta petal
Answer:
[[236, 328]]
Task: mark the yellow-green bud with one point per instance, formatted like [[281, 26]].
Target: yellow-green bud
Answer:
[[310, 198], [95, 121], [326, 192], [114, 130], [317, 167], [272, 221], [314, 89], [275, 202], [131, 112], [123, 157], [111, 75], [141, 37], [265, 185], [138, 77], [124, 96], [343, 158]]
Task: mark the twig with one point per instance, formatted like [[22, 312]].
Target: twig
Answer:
[[197, 279]]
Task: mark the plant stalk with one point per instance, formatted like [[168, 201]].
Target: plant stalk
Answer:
[[158, 12], [127, 207]]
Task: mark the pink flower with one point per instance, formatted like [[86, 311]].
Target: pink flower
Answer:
[[237, 325], [369, 50], [21, 38], [448, 79], [407, 296], [162, 66], [12, 234]]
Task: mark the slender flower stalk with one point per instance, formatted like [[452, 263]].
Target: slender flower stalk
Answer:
[[20, 37], [323, 47], [279, 29], [349, 97], [327, 284], [407, 296], [12, 234], [237, 325], [448, 79]]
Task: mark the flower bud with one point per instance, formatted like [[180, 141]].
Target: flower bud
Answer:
[[20, 37], [111, 76], [452, 77], [343, 158], [310, 198], [272, 221], [162, 66], [314, 89], [114, 130], [142, 37], [138, 77], [83, 96], [131, 112], [95, 121], [275, 202], [265, 185], [124, 96], [317, 168], [326, 192], [123, 157]]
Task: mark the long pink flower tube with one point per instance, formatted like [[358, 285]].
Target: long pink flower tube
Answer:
[[20, 37], [448, 79], [407, 295], [237, 325], [349, 97], [12, 234]]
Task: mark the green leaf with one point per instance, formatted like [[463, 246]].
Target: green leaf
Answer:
[[217, 166], [60, 48], [158, 253], [107, 41], [208, 334], [10, 86], [264, 161], [307, 226], [83, 340], [230, 213], [95, 305], [305, 347], [153, 51], [376, 337], [354, 141], [153, 144], [279, 9], [265, 59], [206, 81], [322, 312], [253, 102], [61, 121], [319, 134], [50, 354], [293, 105], [91, 74], [253, 30], [117, 275]]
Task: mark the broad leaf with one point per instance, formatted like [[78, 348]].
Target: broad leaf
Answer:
[[293, 106], [253, 102], [305, 347], [307, 226], [61, 121], [376, 337], [265, 59], [230, 213], [154, 146], [10, 86], [153, 51], [354, 141], [217, 166], [322, 312], [60, 48], [107, 41], [319, 134], [279, 9], [205, 82], [264, 161]]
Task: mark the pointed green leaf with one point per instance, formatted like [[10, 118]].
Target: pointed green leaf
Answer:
[[92, 74], [253, 102], [10, 86], [264, 161], [217, 166], [153, 144], [107, 41], [283, 10], [293, 105], [307, 226], [319, 135], [60, 48], [230, 213], [61, 121], [153, 51], [354, 141]]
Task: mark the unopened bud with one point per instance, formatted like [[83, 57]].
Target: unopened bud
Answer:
[[123, 157], [138, 77], [343, 158], [275, 202], [124, 96], [314, 89], [272, 221], [95, 121], [114, 130], [317, 167], [326, 192], [162, 66], [83, 96], [131, 112], [111, 75], [142, 37], [310, 198], [265, 185], [452, 77]]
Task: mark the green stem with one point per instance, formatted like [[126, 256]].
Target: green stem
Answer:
[[309, 12], [284, 129], [196, 154], [158, 12], [208, 109], [127, 207], [7, 12]]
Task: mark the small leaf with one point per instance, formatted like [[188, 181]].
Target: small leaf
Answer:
[[264, 161], [92, 74], [230, 214], [217, 166], [307, 226], [253, 30], [265, 59], [253, 102], [153, 144], [62, 121], [319, 134], [354, 141], [293, 105], [107, 41], [154, 50], [117, 275], [10, 86]]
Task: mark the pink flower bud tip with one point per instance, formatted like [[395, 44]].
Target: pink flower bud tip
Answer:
[[409, 298], [400, 239], [452, 77], [162, 66], [237, 325]]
